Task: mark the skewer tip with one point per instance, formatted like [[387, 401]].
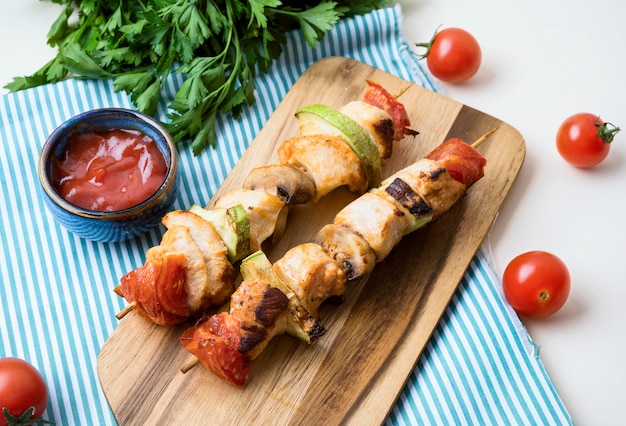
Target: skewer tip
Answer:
[[193, 361], [402, 91], [121, 314], [484, 137]]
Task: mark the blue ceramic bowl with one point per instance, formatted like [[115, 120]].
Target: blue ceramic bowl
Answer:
[[117, 225]]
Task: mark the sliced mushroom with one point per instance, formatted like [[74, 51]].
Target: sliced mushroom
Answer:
[[348, 248], [292, 184]]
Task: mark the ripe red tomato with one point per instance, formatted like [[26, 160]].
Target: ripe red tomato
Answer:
[[21, 387], [453, 55], [584, 140], [536, 283]]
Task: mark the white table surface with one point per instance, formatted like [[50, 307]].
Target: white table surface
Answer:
[[542, 61]]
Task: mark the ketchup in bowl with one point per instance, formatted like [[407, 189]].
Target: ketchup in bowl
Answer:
[[108, 170], [109, 174]]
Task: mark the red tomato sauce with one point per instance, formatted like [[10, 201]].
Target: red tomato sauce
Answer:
[[109, 170]]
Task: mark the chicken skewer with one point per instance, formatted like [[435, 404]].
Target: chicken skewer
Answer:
[[361, 235], [192, 270]]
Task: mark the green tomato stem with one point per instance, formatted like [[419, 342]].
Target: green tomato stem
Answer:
[[428, 45], [606, 131]]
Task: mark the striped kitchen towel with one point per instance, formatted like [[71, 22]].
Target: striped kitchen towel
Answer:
[[479, 367]]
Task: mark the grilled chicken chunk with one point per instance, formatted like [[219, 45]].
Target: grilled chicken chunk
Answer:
[[300, 323], [348, 248], [328, 159], [261, 309], [415, 209], [377, 220], [432, 182], [221, 273], [312, 275], [178, 239], [376, 122], [263, 209]]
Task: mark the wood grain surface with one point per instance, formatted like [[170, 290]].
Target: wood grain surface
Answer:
[[355, 372]]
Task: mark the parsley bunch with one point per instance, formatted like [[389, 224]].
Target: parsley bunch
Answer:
[[216, 45]]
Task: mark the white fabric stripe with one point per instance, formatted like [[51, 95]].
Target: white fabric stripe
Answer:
[[10, 237], [484, 302], [464, 351], [493, 358], [69, 356], [520, 376], [457, 384], [437, 342], [544, 390], [489, 358]]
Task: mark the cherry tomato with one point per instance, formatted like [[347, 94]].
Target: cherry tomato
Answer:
[[453, 55], [584, 140], [536, 283], [21, 387]]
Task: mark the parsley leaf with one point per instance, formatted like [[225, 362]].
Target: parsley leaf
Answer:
[[216, 46]]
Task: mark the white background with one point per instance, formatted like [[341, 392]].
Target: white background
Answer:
[[542, 61]]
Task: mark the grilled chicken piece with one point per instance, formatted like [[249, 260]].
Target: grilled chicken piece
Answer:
[[263, 209], [262, 310], [178, 239], [291, 184], [377, 220], [300, 323], [432, 182], [348, 248], [312, 275], [376, 122], [221, 274], [328, 159], [415, 209]]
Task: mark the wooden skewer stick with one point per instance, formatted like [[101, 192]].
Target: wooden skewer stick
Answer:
[[400, 92], [191, 363], [403, 90], [121, 314], [483, 138]]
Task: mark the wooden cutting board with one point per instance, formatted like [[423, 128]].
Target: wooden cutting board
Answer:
[[354, 373]]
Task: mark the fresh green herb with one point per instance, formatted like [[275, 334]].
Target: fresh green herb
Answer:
[[216, 45]]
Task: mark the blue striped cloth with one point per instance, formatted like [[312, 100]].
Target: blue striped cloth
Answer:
[[56, 298]]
